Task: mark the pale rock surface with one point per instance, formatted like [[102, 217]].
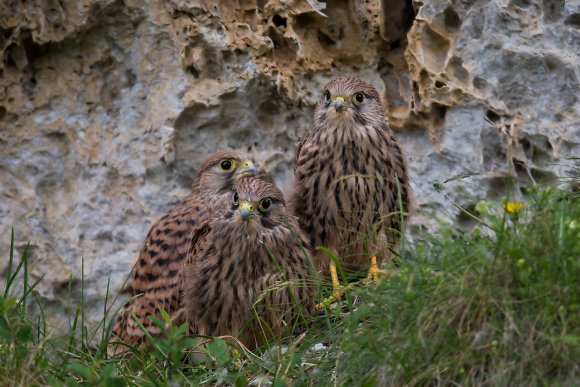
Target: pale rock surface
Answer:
[[107, 107]]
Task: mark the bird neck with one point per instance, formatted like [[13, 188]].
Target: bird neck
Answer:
[[349, 133], [244, 243]]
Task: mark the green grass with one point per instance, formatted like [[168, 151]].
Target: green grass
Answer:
[[497, 305]]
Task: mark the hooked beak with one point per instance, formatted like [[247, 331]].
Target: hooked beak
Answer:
[[247, 169], [246, 211], [339, 104]]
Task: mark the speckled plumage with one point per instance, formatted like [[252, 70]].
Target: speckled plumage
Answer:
[[241, 269], [349, 175], [158, 272]]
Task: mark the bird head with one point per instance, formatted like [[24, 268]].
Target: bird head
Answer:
[[219, 171], [349, 102], [257, 204]]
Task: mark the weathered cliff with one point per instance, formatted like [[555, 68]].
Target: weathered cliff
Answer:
[[107, 107]]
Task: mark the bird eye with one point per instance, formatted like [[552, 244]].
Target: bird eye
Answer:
[[228, 165], [265, 205], [236, 201], [358, 98], [327, 95]]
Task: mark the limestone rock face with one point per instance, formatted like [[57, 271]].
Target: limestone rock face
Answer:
[[107, 107]]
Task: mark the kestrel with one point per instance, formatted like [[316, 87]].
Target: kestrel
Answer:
[[249, 272], [158, 272], [351, 184]]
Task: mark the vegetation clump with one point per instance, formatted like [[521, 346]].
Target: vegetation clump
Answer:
[[496, 305]]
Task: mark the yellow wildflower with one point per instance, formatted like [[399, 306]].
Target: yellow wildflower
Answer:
[[514, 208]]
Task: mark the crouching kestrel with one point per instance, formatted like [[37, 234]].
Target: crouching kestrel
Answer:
[[351, 184], [249, 272], [158, 272]]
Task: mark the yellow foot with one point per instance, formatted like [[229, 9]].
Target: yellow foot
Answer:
[[374, 272], [337, 290]]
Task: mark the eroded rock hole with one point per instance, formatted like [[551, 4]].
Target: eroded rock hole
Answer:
[[194, 71], [438, 113], [465, 216], [553, 9], [34, 50], [8, 60], [5, 33], [452, 21], [499, 184], [282, 49], [492, 117], [457, 70], [523, 4], [397, 19], [53, 15], [573, 20], [436, 48], [279, 21], [480, 83], [395, 45], [520, 168], [325, 40], [538, 148], [542, 176]]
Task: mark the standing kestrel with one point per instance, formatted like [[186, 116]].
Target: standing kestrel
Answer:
[[249, 271], [350, 178], [158, 273]]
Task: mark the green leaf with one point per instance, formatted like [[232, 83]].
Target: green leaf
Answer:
[[570, 340], [42, 363], [25, 333], [21, 351], [53, 381], [278, 382], [107, 371], [158, 322], [4, 330], [166, 316], [80, 370], [187, 343], [8, 303], [116, 382], [241, 381], [71, 382], [180, 330], [218, 350]]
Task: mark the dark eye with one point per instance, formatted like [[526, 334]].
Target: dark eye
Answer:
[[236, 199], [358, 98], [327, 95], [228, 165], [265, 205]]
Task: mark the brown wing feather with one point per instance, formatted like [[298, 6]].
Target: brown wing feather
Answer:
[[158, 273], [199, 239], [305, 139]]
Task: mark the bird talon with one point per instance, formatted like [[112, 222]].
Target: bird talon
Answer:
[[337, 290], [374, 273]]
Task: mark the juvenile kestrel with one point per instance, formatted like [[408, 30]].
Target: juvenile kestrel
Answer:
[[158, 272], [350, 178], [249, 275]]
